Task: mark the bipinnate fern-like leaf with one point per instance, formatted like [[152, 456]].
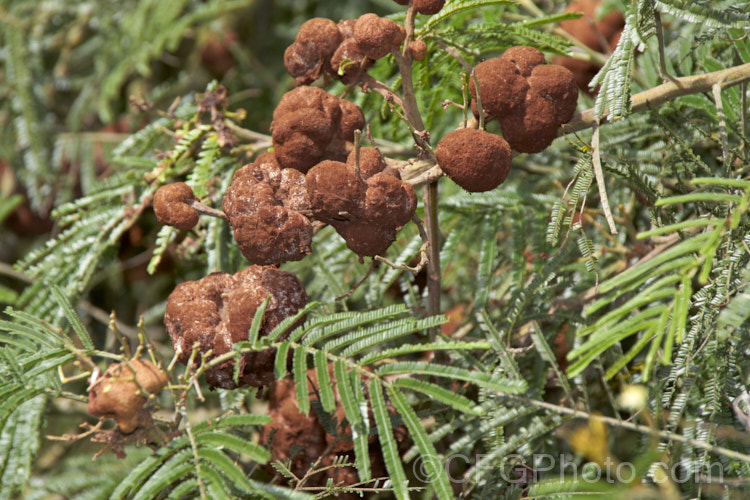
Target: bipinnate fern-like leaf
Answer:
[[154, 27], [358, 422], [714, 14], [734, 319], [31, 350], [73, 319], [456, 7], [91, 227], [188, 466], [613, 99], [165, 236], [571, 488], [655, 295], [482, 37], [208, 165], [432, 461], [620, 322], [356, 346], [29, 126], [72, 66], [487, 258], [19, 437], [586, 247]]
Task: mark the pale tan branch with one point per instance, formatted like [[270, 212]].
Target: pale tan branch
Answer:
[[597, 162], [667, 92]]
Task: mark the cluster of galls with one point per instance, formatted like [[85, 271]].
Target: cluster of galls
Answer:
[[269, 200], [529, 98], [265, 205], [341, 50], [366, 205], [345, 49], [312, 132], [310, 125], [312, 172], [122, 390], [302, 439], [218, 310]]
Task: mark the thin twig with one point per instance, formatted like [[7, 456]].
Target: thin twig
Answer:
[[65, 380], [600, 179], [465, 99], [313, 467], [480, 109], [358, 284], [196, 458], [121, 337], [663, 73], [448, 103], [369, 83], [249, 135], [433, 233], [75, 437], [206, 210], [422, 232], [427, 176], [451, 51], [421, 138], [371, 139], [716, 90], [175, 358], [424, 259], [643, 429]]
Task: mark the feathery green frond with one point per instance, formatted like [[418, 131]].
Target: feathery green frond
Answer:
[[721, 14]]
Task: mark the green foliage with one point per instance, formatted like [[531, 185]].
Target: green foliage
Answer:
[[348, 342], [67, 64], [550, 321], [198, 462], [719, 14]]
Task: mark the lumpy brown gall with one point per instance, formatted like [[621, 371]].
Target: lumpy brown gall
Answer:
[[376, 35], [121, 392], [529, 98], [310, 125], [263, 205], [474, 159], [216, 311], [172, 206], [428, 7]]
